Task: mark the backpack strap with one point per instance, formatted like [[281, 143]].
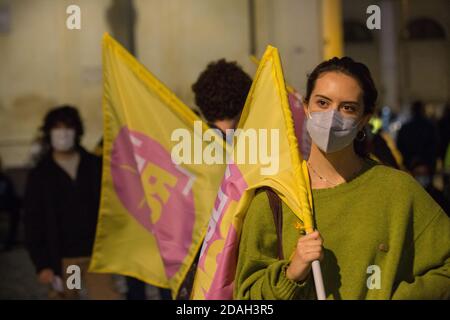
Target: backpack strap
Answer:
[[277, 211]]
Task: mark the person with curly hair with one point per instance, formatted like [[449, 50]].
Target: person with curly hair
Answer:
[[220, 93]]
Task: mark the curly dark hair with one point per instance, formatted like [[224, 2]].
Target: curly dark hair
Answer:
[[221, 90], [66, 114]]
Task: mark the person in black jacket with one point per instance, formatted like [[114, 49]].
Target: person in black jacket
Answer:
[[61, 207], [418, 138], [424, 174]]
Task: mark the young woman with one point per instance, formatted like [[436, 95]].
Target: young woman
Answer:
[[61, 208], [381, 235]]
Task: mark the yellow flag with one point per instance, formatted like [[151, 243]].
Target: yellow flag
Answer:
[[268, 116], [157, 190]]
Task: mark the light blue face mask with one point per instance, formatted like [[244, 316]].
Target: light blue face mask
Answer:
[[330, 131]]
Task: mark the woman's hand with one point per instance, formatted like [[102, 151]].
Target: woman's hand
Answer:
[[309, 248], [45, 276]]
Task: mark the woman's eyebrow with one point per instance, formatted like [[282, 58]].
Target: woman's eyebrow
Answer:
[[350, 102], [322, 96], [342, 102]]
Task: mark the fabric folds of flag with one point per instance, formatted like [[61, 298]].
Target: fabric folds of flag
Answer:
[[154, 208], [266, 110]]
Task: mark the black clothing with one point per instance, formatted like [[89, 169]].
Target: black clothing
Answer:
[[418, 139], [10, 203], [61, 213]]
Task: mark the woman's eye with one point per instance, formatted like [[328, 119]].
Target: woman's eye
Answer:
[[322, 103], [349, 108]]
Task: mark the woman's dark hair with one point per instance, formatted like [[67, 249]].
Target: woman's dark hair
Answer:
[[348, 66], [357, 71], [67, 115], [221, 90]]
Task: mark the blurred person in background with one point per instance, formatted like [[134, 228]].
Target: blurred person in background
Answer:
[[418, 138], [10, 204], [220, 94], [424, 174], [61, 208], [447, 174], [444, 149], [444, 131], [378, 145]]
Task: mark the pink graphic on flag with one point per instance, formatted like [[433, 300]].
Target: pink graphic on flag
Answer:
[[168, 211], [231, 189]]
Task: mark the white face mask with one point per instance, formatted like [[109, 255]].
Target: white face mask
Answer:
[[330, 131], [62, 139]]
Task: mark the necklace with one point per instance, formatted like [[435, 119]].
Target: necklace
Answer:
[[320, 177], [328, 181]]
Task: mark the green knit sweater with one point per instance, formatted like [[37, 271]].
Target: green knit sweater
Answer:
[[382, 218]]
